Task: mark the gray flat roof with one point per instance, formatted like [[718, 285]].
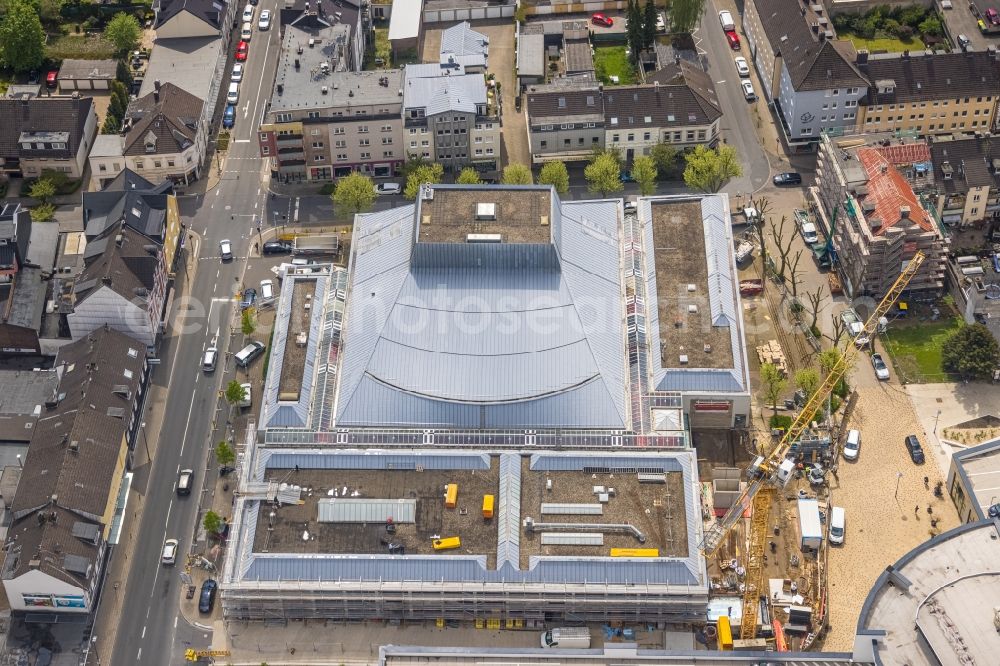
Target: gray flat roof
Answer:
[[938, 604], [187, 62], [311, 60], [24, 391], [531, 55], [980, 468], [611, 655]]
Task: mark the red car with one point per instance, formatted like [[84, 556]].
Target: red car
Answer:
[[993, 16], [242, 49], [733, 39], [601, 19], [51, 77]]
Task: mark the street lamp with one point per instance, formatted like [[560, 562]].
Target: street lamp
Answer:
[[936, 417], [899, 475]]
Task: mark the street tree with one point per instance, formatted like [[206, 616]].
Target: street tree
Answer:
[[649, 16], [708, 169], [412, 163], [684, 14], [774, 383], [817, 301], [422, 175], [971, 352], [235, 394], [43, 189], [516, 174], [556, 175], [828, 360], [123, 31], [644, 173], [604, 175], [355, 192], [665, 157], [762, 206], [22, 39], [248, 323], [782, 245], [839, 330], [213, 523], [469, 176], [224, 454], [45, 212], [795, 275], [807, 380], [615, 153]]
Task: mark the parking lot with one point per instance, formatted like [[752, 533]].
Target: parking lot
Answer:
[[962, 20]]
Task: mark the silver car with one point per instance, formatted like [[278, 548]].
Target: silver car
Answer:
[[169, 555], [881, 369]]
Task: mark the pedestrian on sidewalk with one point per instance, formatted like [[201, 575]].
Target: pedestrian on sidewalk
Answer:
[[916, 510]]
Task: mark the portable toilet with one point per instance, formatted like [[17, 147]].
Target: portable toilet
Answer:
[[488, 501], [451, 495]]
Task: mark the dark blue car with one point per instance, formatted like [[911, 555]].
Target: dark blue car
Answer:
[[229, 116]]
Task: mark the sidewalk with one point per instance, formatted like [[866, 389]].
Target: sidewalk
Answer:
[[116, 578]]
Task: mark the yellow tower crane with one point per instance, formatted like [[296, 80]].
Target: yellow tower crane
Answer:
[[772, 471]]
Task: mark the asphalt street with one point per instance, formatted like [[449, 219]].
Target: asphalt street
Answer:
[[151, 630]]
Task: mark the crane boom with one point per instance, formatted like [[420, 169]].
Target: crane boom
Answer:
[[765, 472]]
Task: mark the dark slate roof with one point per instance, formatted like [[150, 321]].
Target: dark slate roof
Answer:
[[932, 76], [94, 368], [971, 161], [813, 62], [45, 540], [210, 11], [169, 116], [677, 105], [129, 197], [127, 268], [43, 114], [554, 103]]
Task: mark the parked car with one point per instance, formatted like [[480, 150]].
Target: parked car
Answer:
[[981, 24], [881, 369], [229, 116], [852, 445], [733, 39], [742, 67], [225, 250], [209, 359], [266, 290], [51, 78], [169, 554], [248, 12], [249, 298], [246, 32], [993, 16], [247, 397], [726, 19], [264, 22], [206, 602], [914, 449], [242, 50], [388, 188], [601, 19], [788, 178], [185, 478], [854, 326], [233, 94], [626, 177], [237, 74], [277, 247], [748, 92], [963, 41]]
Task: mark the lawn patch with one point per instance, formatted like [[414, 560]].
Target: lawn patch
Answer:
[[81, 47], [611, 61], [889, 44], [916, 349]]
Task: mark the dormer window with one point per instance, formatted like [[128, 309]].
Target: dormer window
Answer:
[[150, 147]]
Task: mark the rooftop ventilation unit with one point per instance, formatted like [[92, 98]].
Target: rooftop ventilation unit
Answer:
[[693, 309], [483, 238], [947, 170], [486, 211], [683, 358]]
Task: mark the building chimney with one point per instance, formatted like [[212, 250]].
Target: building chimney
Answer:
[[156, 85], [904, 212], [862, 58]]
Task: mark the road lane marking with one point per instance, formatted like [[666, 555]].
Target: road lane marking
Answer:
[[139, 656], [175, 621], [188, 425], [143, 632]]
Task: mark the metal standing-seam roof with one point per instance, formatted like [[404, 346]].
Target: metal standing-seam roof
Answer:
[[723, 297], [438, 94], [461, 40], [350, 510], [480, 358]]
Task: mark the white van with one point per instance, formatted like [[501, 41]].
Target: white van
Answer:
[[567, 637], [266, 290], [837, 519], [726, 19], [246, 32], [208, 362], [852, 445], [233, 95], [248, 12]]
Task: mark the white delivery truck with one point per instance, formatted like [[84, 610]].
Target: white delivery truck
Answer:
[[810, 528], [567, 637]]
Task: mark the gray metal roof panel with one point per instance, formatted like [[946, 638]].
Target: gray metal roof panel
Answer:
[[277, 459], [461, 39]]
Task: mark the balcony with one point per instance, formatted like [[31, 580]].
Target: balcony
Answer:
[[286, 138]]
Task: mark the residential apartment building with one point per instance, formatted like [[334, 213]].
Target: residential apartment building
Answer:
[[69, 506], [568, 119], [877, 221], [22, 290], [811, 78], [163, 137], [565, 122], [46, 133], [123, 285], [191, 18], [966, 179], [325, 121], [334, 12], [929, 93], [452, 118]]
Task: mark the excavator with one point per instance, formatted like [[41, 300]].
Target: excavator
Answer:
[[768, 473]]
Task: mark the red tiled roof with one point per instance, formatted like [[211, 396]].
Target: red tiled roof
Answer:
[[907, 153], [888, 189]]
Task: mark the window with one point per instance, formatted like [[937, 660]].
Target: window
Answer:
[[314, 132], [545, 128], [364, 142], [690, 135], [615, 138], [850, 116], [975, 211], [317, 144], [386, 128], [170, 163], [363, 129], [975, 197], [580, 141], [566, 126], [338, 130], [701, 135], [283, 117], [157, 164], [566, 142], [341, 157], [825, 106], [594, 140], [479, 151], [413, 131], [835, 92], [645, 136], [366, 156], [489, 151], [265, 150], [478, 139], [319, 158], [386, 153], [425, 143], [103, 167], [850, 103], [833, 106], [58, 145], [807, 131], [852, 91], [545, 144], [340, 143], [413, 144], [387, 141], [313, 114], [631, 136]]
